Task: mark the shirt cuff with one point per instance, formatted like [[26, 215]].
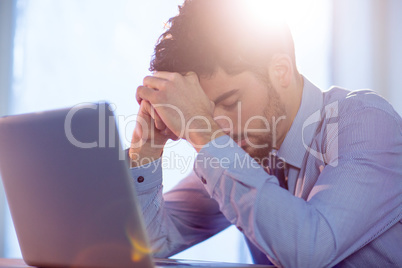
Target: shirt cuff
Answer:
[[147, 176], [223, 156]]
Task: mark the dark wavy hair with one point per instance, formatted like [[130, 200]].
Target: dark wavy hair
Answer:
[[207, 34]]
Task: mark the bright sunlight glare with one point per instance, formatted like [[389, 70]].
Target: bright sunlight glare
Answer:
[[298, 14]]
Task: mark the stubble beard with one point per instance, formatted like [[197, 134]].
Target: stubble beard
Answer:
[[267, 141]]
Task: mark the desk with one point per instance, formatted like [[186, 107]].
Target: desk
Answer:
[[13, 263], [19, 263]]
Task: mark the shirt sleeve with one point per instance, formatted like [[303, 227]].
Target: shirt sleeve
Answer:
[[351, 203], [178, 219]]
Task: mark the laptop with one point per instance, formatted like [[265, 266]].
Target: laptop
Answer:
[[70, 193]]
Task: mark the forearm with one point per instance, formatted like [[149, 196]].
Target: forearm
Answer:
[[164, 237], [291, 232], [143, 152], [180, 218], [162, 232], [282, 226]]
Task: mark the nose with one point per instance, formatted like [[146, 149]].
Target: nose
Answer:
[[225, 122]]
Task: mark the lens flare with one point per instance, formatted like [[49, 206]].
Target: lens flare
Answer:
[[139, 249]]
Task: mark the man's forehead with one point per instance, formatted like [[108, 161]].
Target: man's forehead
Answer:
[[218, 83]]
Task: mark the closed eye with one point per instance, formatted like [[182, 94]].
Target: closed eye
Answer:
[[230, 106]]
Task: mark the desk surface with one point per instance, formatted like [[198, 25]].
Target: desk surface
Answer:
[[13, 263], [19, 263]]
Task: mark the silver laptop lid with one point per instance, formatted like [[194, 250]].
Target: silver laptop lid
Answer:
[[69, 191]]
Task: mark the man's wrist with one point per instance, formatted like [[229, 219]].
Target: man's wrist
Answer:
[[144, 154], [205, 134]]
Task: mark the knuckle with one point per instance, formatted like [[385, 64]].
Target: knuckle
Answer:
[[165, 84], [138, 93], [175, 76], [146, 79], [146, 105], [161, 97]]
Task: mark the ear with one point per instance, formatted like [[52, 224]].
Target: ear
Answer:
[[281, 70]]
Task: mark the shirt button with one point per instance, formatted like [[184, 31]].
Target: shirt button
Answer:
[[240, 229], [203, 180], [140, 179]]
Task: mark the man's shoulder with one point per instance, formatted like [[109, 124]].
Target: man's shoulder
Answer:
[[349, 102]]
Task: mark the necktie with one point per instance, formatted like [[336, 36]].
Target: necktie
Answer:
[[277, 168]]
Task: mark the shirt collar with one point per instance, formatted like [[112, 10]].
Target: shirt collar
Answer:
[[301, 133]]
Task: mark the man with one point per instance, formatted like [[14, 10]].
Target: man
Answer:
[[312, 178]]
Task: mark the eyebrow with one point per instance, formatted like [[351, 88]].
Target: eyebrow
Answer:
[[225, 95]]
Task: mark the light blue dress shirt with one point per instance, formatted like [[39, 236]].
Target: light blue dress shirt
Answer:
[[344, 203]]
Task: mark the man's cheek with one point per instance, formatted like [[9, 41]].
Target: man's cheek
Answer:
[[256, 126]]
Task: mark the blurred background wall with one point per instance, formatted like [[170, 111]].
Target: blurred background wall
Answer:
[[57, 53]]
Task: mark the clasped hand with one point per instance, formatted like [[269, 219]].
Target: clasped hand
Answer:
[[175, 106]]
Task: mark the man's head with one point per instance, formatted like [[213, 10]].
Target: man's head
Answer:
[[245, 65], [208, 34]]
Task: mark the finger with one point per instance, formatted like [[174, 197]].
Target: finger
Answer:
[[146, 93], [166, 75], [193, 76], [159, 124], [137, 97], [157, 83], [212, 104], [169, 134]]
